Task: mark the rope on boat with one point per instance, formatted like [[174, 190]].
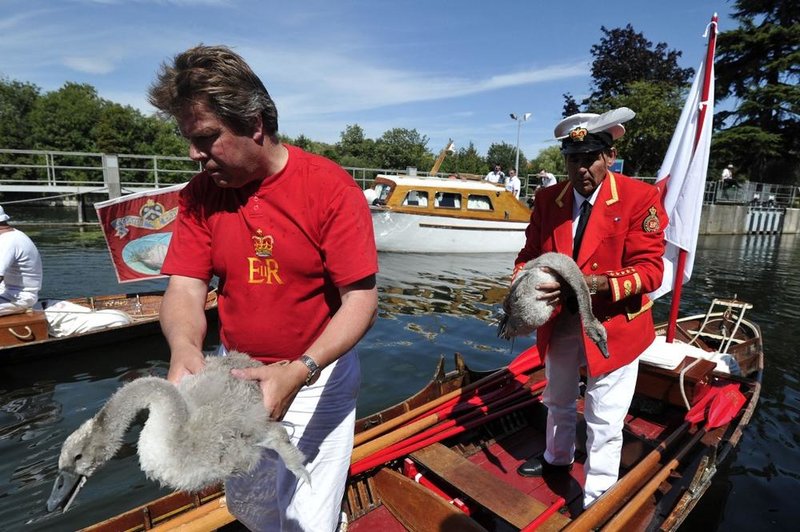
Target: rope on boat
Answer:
[[682, 387]]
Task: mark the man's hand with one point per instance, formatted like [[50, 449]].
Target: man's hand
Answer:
[[550, 292], [279, 384], [188, 361]]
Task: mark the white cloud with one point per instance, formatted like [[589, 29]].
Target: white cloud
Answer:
[[89, 65], [328, 82]]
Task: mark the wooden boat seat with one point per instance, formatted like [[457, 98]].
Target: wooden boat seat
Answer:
[[516, 507], [664, 384]]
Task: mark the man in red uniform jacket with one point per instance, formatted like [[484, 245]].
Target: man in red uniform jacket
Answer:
[[619, 249]]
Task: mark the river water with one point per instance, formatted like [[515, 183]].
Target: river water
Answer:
[[430, 306]]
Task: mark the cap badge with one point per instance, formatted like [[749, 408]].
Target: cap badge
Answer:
[[651, 224], [262, 244], [578, 134]]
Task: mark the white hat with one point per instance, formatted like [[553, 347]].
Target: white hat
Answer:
[[588, 132], [3, 216]]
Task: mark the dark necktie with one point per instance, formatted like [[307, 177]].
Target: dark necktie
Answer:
[[583, 218]]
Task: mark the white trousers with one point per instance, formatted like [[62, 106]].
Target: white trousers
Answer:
[[15, 305], [608, 398], [321, 421]]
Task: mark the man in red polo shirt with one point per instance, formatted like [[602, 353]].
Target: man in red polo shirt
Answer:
[[290, 238]]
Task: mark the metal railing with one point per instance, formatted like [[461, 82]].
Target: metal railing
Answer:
[[48, 168], [39, 170]]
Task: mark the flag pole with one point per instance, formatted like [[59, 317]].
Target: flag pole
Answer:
[[678, 278]]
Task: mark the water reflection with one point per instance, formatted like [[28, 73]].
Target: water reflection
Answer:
[[455, 284], [430, 306]]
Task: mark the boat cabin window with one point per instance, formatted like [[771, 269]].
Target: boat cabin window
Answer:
[[450, 200], [416, 198], [479, 202], [383, 190]]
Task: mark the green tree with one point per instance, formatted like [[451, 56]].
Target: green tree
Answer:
[[466, 160], [550, 160], [629, 71], [624, 56], [120, 129], [400, 147], [658, 108], [64, 119], [354, 149], [570, 105], [17, 100], [758, 63], [505, 155], [164, 137]]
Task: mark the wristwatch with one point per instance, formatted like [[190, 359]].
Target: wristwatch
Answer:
[[313, 369]]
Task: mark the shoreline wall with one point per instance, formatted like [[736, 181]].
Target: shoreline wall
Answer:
[[721, 219]]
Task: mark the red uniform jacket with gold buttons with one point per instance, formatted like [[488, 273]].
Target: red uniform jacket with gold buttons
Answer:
[[623, 240]]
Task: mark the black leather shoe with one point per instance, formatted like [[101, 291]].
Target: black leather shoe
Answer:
[[538, 466]]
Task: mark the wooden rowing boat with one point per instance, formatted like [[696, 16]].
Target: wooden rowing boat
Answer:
[[24, 337], [446, 458]]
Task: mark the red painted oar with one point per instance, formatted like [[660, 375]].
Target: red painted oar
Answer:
[[434, 423], [381, 458], [526, 362]]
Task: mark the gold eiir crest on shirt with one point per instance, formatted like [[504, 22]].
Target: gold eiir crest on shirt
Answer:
[[263, 268], [263, 244]]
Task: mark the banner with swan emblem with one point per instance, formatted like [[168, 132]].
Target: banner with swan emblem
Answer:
[[137, 229]]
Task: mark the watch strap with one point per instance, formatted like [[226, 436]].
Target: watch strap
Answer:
[[313, 368]]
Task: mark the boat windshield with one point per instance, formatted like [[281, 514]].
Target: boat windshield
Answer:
[[383, 190]]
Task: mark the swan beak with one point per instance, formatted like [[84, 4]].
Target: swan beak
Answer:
[[603, 346], [65, 489]]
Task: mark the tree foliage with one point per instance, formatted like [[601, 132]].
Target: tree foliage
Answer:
[[549, 160], [629, 71], [758, 63], [354, 148], [16, 103], [624, 56], [658, 108], [466, 160], [400, 147], [505, 155], [571, 107], [64, 119]]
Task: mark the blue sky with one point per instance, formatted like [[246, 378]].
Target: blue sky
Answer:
[[450, 69]]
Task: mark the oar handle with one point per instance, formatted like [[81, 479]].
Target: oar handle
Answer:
[[620, 520], [396, 435], [616, 496]]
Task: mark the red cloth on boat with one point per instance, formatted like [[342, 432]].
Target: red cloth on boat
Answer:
[[280, 248], [624, 240]]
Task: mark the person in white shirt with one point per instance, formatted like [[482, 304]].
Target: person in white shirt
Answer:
[[496, 176], [547, 179], [513, 184], [20, 269]]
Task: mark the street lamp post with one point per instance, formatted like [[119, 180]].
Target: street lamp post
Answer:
[[520, 119]]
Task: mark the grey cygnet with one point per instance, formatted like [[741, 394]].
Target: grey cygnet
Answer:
[[207, 428], [524, 313]]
